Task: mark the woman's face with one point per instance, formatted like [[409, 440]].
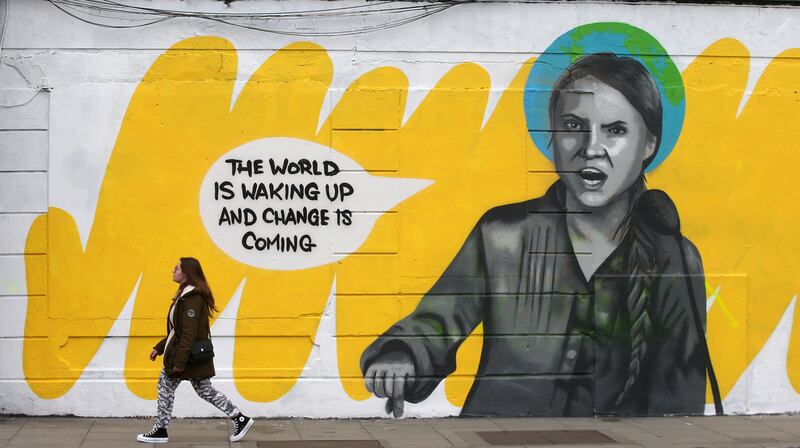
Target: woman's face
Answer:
[[600, 141], [177, 275]]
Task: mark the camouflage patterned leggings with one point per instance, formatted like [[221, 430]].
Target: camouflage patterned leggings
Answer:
[[166, 397]]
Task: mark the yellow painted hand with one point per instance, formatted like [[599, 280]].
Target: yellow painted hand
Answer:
[[730, 176], [178, 122], [473, 169]]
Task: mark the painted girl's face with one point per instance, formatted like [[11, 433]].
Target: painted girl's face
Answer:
[[600, 141], [177, 275]]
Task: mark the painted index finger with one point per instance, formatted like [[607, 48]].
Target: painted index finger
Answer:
[[398, 396]]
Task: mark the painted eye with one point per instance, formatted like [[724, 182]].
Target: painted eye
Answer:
[[617, 130], [573, 125]]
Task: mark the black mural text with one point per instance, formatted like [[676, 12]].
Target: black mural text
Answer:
[[272, 200]]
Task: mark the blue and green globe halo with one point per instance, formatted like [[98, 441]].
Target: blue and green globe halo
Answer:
[[605, 37]]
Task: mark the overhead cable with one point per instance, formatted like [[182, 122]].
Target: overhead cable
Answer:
[[337, 21]]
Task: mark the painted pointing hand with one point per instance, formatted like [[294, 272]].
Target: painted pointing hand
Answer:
[[388, 377]]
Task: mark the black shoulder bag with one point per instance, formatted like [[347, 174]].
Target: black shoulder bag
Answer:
[[202, 350]]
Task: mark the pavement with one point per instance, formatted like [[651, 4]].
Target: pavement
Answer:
[[730, 431]]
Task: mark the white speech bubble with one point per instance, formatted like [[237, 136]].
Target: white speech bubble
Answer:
[[294, 204]]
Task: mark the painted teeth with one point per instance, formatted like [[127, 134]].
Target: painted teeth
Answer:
[[592, 175]]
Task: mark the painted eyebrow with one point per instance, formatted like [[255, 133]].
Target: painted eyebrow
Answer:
[[581, 119], [616, 123]]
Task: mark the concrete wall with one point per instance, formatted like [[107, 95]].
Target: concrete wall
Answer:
[[112, 141]]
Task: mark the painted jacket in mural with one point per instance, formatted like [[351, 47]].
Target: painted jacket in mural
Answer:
[[190, 317], [554, 343]]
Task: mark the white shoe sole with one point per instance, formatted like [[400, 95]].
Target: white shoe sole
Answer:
[[142, 438], [241, 435]]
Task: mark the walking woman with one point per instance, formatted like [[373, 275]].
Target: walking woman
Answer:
[[187, 322]]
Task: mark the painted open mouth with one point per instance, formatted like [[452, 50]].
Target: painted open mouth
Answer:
[[592, 177]]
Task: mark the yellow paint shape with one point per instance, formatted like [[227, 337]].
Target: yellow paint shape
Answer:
[[730, 177], [178, 122]]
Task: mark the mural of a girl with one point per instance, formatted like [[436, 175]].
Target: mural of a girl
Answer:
[[585, 307]]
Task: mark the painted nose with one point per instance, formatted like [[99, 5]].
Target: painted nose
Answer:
[[595, 146]]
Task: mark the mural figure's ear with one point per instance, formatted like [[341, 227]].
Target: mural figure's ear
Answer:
[[650, 146]]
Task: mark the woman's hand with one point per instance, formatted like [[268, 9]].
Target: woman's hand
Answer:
[[388, 377], [153, 355]]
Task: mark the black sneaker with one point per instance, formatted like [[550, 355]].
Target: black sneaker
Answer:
[[156, 435], [241, 424]]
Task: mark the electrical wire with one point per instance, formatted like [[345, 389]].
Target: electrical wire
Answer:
[[361, 30], [113, 5], [384, 15], [76, 16]]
